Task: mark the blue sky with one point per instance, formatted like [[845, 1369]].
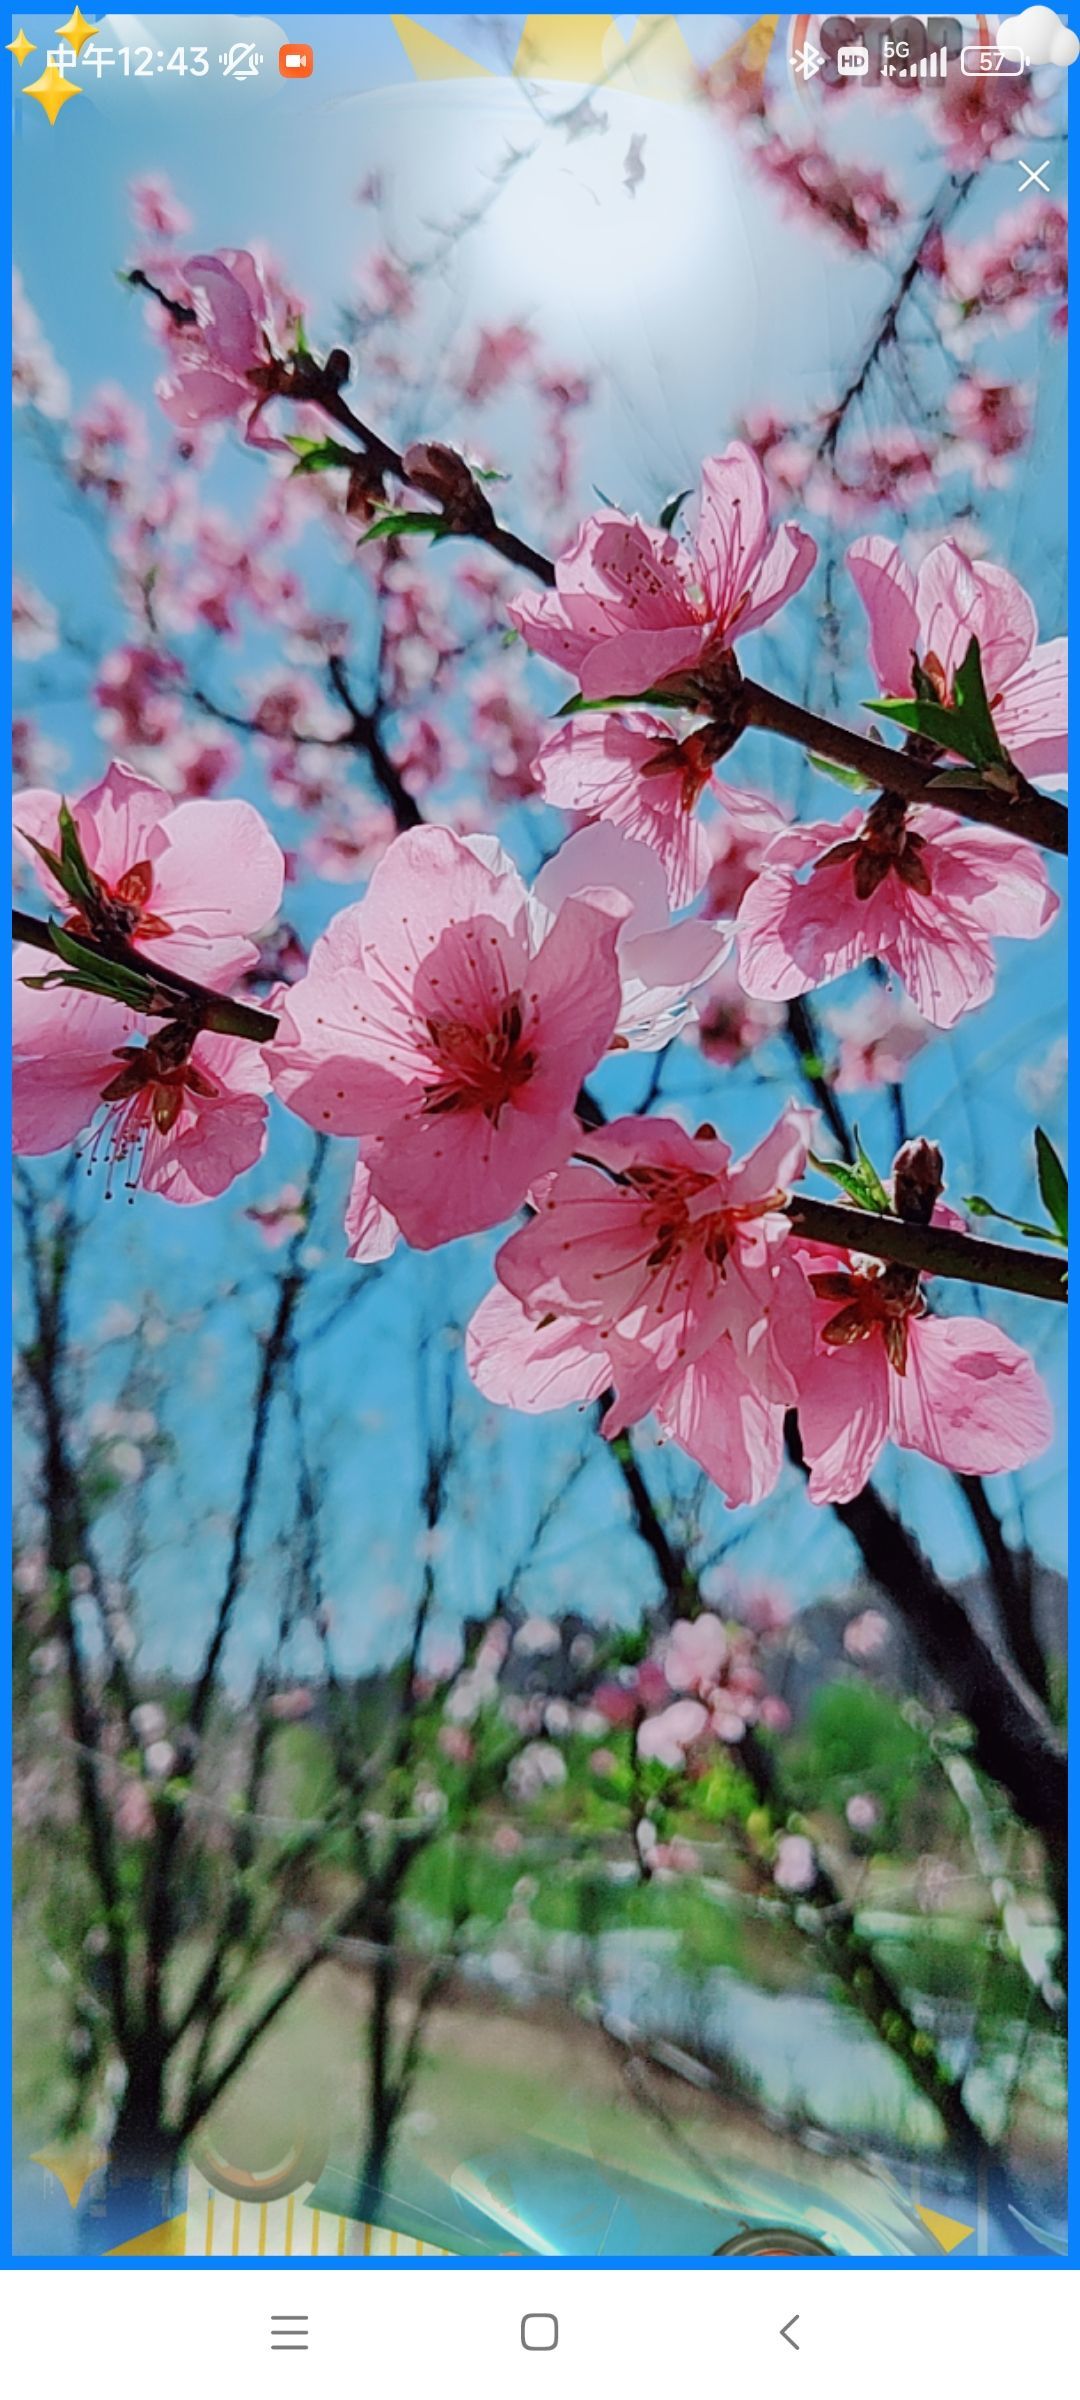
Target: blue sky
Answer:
[[689, 304]]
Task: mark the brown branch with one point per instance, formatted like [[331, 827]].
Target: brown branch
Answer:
[[940, 214], [171, 995], [1034, 816], [1015, 1743], [365, 736], [932, 1249]]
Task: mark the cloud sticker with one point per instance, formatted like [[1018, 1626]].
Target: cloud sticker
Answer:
[[1041, 38]]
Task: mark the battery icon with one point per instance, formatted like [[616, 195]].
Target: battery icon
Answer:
[[990, 61], [295, 61]]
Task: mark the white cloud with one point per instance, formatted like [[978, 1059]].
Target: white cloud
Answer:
[[1042, 38]]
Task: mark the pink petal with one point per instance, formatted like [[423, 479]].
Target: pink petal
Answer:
[[1032, 715], [218, 875], [788, 561], [428, 880], [793, 936], [717, 1417], [575, 994], [886, 587], [732, 530], [958, 598], [447, 1175], [628, 663], [222, 288], [371, 1233], [844, 1417], [999, 881], [532, 1367], [943, 958], [344, 1057], [541, 619], [971, 1398]]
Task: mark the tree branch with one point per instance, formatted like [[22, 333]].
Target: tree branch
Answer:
[[1034, 816], [931, 1249], [171, 995]]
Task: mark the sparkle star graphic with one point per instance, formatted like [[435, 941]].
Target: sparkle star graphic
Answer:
[[20, 48], [76, 31], [53, 91]]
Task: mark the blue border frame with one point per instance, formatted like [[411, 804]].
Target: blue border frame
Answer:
[[9, 2262]]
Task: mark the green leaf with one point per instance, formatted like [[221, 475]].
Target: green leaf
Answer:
[[108, 976], [978, 1207], [879, 1199], [68, 864], [861, 1184], [1053, 1184], [849, 776], [967, 727], [403, 520], [670, 510], [313, 458], [971, 703], [579, 706]]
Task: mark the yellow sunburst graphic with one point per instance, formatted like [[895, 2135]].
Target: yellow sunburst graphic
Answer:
[[655, 59]]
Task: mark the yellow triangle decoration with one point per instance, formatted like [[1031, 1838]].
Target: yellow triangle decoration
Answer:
[[433, 60], [656, 60], [948, 2232], [72, 2165], [564, 49], [162, 2241]]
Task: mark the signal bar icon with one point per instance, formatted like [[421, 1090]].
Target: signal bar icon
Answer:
[[937, 64]]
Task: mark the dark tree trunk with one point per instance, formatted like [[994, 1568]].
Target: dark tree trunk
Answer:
[[140, 2188]]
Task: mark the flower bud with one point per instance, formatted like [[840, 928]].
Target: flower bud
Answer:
[[918, 1175]]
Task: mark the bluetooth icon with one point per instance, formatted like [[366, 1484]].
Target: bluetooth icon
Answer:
[[807, 61]]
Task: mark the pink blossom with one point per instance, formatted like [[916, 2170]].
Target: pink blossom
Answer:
[[506, 731], [731, 1026], [862, 1812], [632, 606], [931, 615], [917, 888], [385, 286], [981, 115], [218, 366], [878, 1037], [292, 1706], [954, 1388], [433, 1023], [992, 422], [656, 1266], [668, 1737], [33, 754], [495, 357], [866, 1635], [1007, 273], [795, 1866], [696, 1654], [660, 964], [180, 1120], [739, 835], [279, 1218], [137, 690], [854, 201], [186, 885], [155, 208], [35, 628], [633, 771]]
